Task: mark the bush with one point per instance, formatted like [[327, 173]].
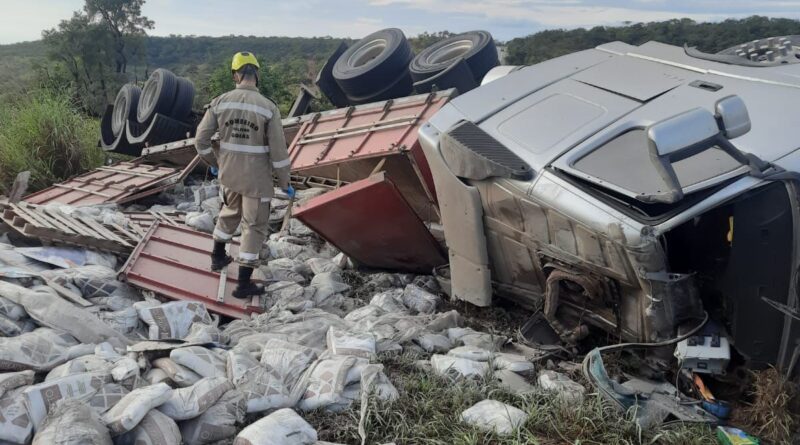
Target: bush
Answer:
[[44, 132]]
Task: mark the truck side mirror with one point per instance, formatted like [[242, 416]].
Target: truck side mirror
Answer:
[[674, 139], [733, 116]]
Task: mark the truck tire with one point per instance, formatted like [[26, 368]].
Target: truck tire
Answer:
[[457, 75], [400, 87], [477, 48], [373, 62], [184, 98], [125, 106], [158, 95]]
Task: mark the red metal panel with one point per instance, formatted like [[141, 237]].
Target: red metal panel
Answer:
[[371, 222], [105, 184], [175, 262], [365, 131]]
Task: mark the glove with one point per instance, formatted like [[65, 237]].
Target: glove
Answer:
[[214, 171], [290, 192]]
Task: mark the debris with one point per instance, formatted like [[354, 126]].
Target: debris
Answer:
[[174, 262], [13, 380], [701, 353], [334, 383], [734, 436], [119, 183], [447, 365], [50, 223], [419, 300], [189, 402], [216, 423], [513, 382], [171, 321], [654, 401], [180, 375], [41, 398], [203, 361], [349, 343], [202, 221], [283, 427], [50, 310], [491, 415], [16, 425], [131, 409], [567, 390], [19, 187], [372, 223], [72, 422], [154, 429]]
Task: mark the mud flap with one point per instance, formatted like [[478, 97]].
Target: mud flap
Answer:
[[462, 217]]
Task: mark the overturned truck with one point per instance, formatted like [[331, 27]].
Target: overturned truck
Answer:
[[631, 189]]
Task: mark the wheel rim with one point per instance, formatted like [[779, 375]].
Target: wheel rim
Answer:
[[148, 98], [450, 51], [367, 53], [120, 114]]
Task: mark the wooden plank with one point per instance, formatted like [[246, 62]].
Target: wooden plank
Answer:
[[132, 236], [19, 187], [148, 174], [78, 189], [107, 234], [32, 217], [68, 222]]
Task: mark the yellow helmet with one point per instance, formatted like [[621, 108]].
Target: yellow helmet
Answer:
[[243, 58]]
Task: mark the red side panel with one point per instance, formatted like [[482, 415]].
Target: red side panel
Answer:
[[175, 262], [371, 222]]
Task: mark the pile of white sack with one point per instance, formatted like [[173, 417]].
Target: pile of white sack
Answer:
[[125, 368]]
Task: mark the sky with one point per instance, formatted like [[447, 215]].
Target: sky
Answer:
[[505, 19]]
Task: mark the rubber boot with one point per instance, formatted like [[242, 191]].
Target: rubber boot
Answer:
[[246, 288], [219, 258]]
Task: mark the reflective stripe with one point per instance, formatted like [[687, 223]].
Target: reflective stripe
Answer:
[[222, 235], [266, 199], [244, 107], [258, 149], [204, 152], [248, 256], [281, 164]]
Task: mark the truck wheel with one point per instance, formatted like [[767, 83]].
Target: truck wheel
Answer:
[[400, 87], [373, 62], [125, 105], [184, 98], [158, 95], [457, 75], [477, 48]]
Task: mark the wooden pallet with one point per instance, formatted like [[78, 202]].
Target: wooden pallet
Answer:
[[48, 224]]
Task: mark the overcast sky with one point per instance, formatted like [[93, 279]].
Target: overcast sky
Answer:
[[505, 19]]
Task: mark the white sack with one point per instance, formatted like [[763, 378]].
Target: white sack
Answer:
[[154, 429], [72, 423], [190, 402], [218, 422], [283, 427], [128, 412], [491, 415], [172, 320], [204, 362]]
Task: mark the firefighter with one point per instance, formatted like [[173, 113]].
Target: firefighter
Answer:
[[251, 149]]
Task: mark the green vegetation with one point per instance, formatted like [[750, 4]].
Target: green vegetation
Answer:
[[709, 37], [45, 132]]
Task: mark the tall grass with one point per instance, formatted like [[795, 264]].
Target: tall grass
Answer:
[[44, 132]]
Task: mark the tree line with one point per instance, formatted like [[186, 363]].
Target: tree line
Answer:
[[105, 44]]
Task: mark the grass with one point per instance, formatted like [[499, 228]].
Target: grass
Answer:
[[44, 132], [428, 412], [773, 412]]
